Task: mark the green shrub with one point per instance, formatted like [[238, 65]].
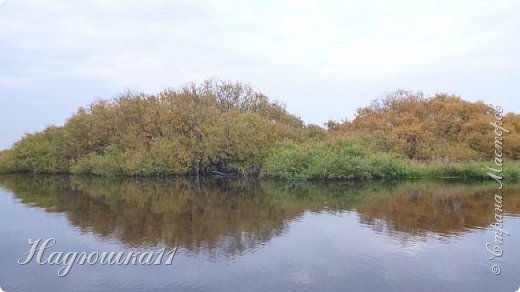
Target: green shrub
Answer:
[[8, 162]]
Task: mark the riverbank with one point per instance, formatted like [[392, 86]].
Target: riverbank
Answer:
[[374, 170]]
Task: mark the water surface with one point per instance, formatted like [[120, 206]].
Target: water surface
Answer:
[[238, 235]]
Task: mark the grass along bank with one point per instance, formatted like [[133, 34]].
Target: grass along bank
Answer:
[[343, 159]]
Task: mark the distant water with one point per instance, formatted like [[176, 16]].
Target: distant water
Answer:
[[243, 235]]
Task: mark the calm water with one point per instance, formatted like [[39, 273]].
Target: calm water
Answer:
[[260, 236]]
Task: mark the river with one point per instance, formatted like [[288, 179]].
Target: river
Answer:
[[250, 235]]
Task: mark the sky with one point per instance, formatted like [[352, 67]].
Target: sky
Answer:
[[322, 59]]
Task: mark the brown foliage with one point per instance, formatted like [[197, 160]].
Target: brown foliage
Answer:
[[441, 127]]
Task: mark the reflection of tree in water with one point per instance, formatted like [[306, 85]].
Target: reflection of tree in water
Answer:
[[215, 216], [418, 208], [223, 217]]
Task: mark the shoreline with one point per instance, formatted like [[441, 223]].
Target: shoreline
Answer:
[[455, 171]]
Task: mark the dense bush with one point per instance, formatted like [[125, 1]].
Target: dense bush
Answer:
[[200, 128], [441, 127], [43, 152], [8, 163]]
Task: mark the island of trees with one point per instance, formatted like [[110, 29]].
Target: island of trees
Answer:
[[225, 128]]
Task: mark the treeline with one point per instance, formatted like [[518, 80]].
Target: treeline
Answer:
[[225, 128]]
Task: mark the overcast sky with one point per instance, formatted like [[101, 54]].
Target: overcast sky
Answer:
[[323, 59]]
